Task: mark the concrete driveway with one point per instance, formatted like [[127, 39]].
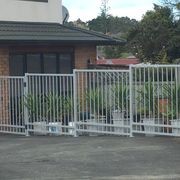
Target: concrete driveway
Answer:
[[84, 158]]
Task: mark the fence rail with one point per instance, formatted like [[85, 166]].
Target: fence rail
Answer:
[[102, 102], [49, 104], [156, 99], [142, 100], [11, 105]]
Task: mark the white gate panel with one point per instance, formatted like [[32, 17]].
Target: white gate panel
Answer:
[[11, 105], [49, 104], [156, 99], [102, 102]]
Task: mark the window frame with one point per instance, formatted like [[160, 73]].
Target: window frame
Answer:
[[24, 54]]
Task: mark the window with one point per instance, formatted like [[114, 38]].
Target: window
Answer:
[[65, 64], [50, 61], [19, 64], [16, 65], [33, 63]]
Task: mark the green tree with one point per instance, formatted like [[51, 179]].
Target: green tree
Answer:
[[101, 23], [155, 33], [104, 14], [174, 5], [78, 23], [116, 27]]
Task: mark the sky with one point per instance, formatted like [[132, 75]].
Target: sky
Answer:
[[89, 9]]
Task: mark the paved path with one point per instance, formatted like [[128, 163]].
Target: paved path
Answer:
[[84, 158]]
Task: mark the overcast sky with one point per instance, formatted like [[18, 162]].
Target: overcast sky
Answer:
[[89, 9]]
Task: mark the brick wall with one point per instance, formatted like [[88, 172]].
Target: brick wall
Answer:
[[4, 61], [4, 97], [83, 54]]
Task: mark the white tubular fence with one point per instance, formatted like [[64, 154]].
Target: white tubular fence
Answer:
[[156, 99], [142, 100], [102, 102], [11, 105], [49, 104]]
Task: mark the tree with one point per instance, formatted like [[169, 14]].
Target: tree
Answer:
[[101, 23], [155, 33], [174, 5], [104, 14], [78, 23], [116, 27]]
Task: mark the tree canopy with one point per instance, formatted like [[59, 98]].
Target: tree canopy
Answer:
[[156, 36]]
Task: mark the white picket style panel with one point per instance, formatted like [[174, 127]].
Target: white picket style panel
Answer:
[[11, 105], [156, 99], [142, 100], [102, 102]]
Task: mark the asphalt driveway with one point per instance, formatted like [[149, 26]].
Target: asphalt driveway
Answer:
[[84, 158]]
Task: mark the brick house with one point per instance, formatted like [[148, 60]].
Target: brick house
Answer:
[[33, 39]]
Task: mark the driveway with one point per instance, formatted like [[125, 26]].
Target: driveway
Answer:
[[86, 158]]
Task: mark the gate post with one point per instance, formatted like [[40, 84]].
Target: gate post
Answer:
[[131, 99], [75, 103], [26, 119]]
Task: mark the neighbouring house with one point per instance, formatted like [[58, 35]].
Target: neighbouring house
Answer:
[[121, 63], [34, 40]]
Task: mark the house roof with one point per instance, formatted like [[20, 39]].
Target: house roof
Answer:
[[51, 32], [118, 62]]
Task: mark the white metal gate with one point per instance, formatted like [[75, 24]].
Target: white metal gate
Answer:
[[144, 99], [11, 105], [102, 102], [156, 99], [49, 104]]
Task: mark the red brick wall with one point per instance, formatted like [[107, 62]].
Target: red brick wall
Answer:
[[83, 54], [4, 61], [4, 97]]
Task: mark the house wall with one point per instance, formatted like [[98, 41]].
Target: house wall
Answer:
[[31, 10], [4, 98], [4, 61], [83, 54]]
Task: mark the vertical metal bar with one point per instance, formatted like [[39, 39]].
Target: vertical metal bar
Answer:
[[86, 89], [134, 98], [0, 104], [39, 93], [131, 99], [102, 101], [26, 118], [75, 103], [19, 105], [52, 120], [177, 89], [158, 89], [72, 105], [154, 95], [11, 108]]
